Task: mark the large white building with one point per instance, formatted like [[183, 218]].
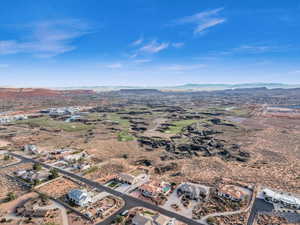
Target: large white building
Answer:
[[284, 199], [79, 197]]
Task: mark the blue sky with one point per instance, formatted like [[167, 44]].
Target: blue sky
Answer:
[[148, 42]]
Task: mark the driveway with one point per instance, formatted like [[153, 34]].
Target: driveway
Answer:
[[259, 206]]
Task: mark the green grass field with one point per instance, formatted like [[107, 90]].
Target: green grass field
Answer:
[[178, 125], [125, 136], [116, 118], [93, 116], [47, 122]]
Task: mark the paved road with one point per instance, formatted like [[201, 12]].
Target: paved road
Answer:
[[12, 164], [130, 201], [259, 205]]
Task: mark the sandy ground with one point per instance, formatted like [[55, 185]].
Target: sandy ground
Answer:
[[10, 207], [4, 143], [58, 187]]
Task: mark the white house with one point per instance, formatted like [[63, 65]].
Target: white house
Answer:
[[192, 191], [144, 219], [79, 197], [75, 157], [32, 149], [284, 199], [133, 177]]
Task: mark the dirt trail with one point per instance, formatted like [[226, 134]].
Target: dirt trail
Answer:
[[152, 131]]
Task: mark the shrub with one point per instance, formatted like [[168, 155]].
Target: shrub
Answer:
[[53, 174], [6, 157], [37, 167], [10, 196]]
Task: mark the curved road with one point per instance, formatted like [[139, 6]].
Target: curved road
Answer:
[[130, 202]]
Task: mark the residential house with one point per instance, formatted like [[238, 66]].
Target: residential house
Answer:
[[231, 192], [192, 191], [62, 111], [153, 188], [32, 176], [133, 177], [79, 197], [75, 156], [9, 119], [31, 149], [146, 219], [284, 199], [30, 209]]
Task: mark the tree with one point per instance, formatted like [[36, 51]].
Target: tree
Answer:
[[6, 157], [44, 197], [36, 182], [53, 174], [119, 219], [37, 167], [10, 196]]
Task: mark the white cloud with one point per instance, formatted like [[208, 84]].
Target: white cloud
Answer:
[[210, 23], [47, 38], [178, 44], [140, 61], [137, 42], [252, 49], [153, 47], [203, 20], [115, 66]]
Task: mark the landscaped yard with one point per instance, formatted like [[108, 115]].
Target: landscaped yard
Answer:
[[113, 184]]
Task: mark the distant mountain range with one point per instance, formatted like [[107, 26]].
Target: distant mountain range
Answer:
[[189, 87]]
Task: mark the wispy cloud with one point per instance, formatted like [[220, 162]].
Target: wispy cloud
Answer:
[[153, 47], [47, 38], [140, 61], [115, 66], [254, 48], [203, 20], [137, 42], [178, 44]]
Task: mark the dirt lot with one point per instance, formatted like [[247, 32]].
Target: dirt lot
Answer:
[[58, 187], [14, 168], [231, 220], [8, 185], [274, 147], [4, 143], [74, 219], [6, 160], [271, 219], [8, 209]]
